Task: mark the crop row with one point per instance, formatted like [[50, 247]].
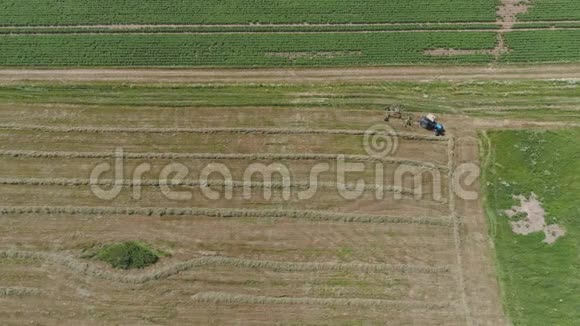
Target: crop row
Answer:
[[245, 29], [241, 50], [18, 291], [236, 299], [219, 156], [91, 12], [563, 25], [226, 213], [196, 183]]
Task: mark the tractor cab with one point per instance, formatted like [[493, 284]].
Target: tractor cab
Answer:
[[430, 123]]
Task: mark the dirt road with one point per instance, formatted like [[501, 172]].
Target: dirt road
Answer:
[[295, 75]]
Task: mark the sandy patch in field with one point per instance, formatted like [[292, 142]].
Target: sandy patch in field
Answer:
[[534, 220], [452, 52], [510, 9], [313, 55]]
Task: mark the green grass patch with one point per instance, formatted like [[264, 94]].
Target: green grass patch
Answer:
[[128, 255], [540, 282]]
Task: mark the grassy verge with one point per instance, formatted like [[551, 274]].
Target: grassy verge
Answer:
[[538, 100], [540, 282]]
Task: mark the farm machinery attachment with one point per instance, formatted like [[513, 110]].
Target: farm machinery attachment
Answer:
[[429, 121]]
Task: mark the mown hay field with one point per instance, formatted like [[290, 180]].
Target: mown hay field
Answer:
[[322, 259]]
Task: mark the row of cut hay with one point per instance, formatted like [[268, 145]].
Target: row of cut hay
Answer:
[[220, 156], [260, 131], [194, 183], [18, 291], [229, 298], [79, 266], [310, 215]]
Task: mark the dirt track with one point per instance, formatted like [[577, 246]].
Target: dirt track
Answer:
[[294, 75]]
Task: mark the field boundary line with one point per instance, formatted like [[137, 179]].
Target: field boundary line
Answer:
[[370, 31], [140, 26], [287, 32], [457, 232], [193, 183], [243, 131], [311, 215], [92, 269], [229, 298], [220, 156], [144, 26]]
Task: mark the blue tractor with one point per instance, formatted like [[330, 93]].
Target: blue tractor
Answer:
[[430, 123]]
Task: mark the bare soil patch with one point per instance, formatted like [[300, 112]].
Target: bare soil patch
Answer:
[[531, 218], [509, 10], [314, 55], [454, 52]]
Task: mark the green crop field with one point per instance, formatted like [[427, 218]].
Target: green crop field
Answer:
[[75, 12], [552, 10], [239, 49], [235, 33], [543, 46]]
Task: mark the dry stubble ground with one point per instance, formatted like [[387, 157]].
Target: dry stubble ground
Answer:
[[253, 269]]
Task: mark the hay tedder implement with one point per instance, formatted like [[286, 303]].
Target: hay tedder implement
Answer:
[[429, 121]]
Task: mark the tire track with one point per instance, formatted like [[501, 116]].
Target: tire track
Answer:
[[87, 268]]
